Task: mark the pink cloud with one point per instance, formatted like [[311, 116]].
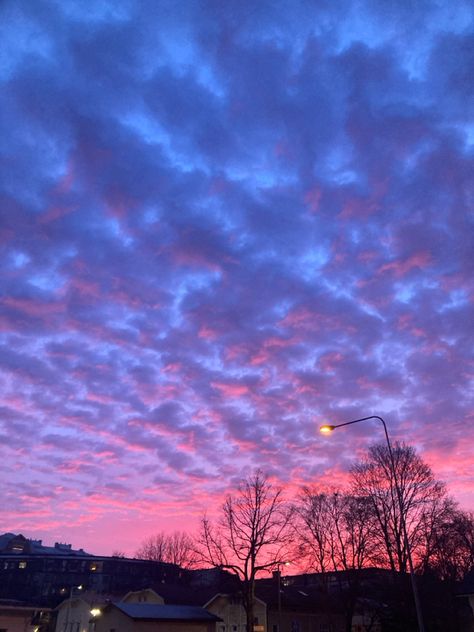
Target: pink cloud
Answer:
[[36, 308], [231, 390], [400, 268], [206, 333]]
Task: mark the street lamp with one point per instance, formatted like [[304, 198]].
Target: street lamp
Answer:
[[68, 611], [279, 565], [327, 429]]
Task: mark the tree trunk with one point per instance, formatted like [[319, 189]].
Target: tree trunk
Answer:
[[249, 603]]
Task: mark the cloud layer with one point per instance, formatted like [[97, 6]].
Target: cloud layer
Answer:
[[222, 224]]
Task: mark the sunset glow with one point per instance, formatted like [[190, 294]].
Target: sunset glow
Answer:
[[222, 225]]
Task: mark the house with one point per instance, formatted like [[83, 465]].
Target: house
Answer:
[[79, 612], [149, 617], [87, 612], [75, 613], [229, 608], [18, 617], [218, 592]]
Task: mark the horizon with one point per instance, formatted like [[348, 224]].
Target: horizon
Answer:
[[224, 225]]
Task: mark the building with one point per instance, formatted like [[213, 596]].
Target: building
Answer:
[[299, 609], [79, 612], [17, 617], [231, 612], [218, 592], [149, 617], [45, 575]]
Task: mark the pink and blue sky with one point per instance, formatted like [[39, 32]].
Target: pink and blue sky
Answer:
[[224, 223]]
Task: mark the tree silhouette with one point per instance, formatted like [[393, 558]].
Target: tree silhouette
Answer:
[[335, 533], [251, 535], [172, 548], [373, 478]]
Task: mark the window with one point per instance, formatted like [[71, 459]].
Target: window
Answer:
[[21, 564], [295, 626]]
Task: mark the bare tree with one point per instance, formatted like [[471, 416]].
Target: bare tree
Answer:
[[449, 552], [174, 548], [334, 529], [251, 535], [181, 549], [334, 532], [373, 478], [313, 534], [349, 530], [154, 548]]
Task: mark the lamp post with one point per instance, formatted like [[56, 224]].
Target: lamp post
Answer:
[[68, 611], [327, 429], [279, 565]]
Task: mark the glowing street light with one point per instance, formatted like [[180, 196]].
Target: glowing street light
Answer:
[[327, 429]]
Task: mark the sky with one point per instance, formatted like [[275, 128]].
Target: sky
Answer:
[[224, 223]]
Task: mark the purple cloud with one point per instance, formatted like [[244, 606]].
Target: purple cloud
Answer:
[[220, 226]]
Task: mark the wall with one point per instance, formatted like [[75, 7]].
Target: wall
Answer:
[[230, 609], [113, 619], [17, 620], [73, 616]]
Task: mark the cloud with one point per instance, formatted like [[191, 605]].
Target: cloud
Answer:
[[219, 227]]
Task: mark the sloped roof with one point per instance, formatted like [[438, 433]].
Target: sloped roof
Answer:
[[157, 612], [5, 539], [34, 547]]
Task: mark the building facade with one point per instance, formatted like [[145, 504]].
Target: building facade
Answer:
[[45, 575]]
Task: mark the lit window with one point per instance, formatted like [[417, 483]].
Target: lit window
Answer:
[[21, 564]]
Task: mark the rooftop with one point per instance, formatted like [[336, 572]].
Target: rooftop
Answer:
[[158, 612]]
